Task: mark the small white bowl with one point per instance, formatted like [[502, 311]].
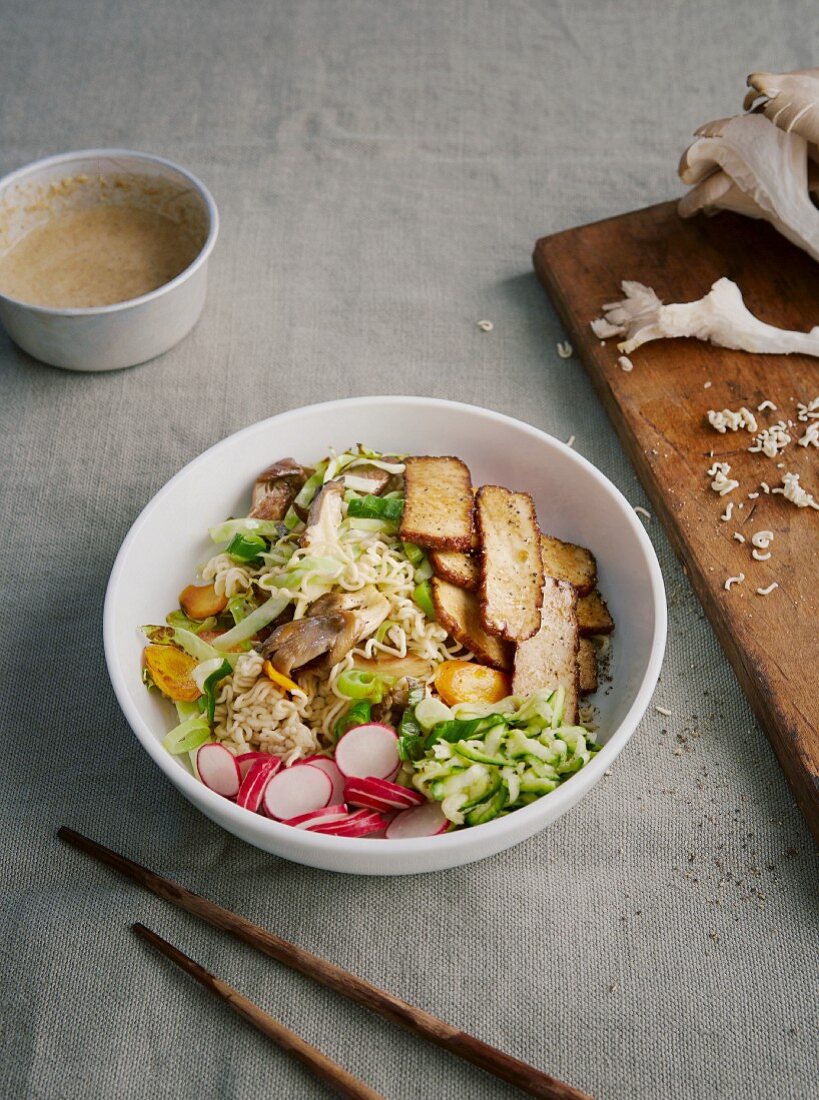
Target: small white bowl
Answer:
[[125, 333], [574, 501]]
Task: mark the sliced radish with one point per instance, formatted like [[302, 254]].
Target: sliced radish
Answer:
[[370, 750], [426, 820], [357, 824], [258, 776], [217, 769], [297, 791], [330, 769], [380, 794], [330, 815], [245, 759]]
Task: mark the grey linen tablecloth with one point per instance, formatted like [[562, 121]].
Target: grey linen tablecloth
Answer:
[[382, 172]]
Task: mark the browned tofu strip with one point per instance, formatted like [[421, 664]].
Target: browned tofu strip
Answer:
[[458, 613], [593, 616], [438, 503], [457, 568], [587, 666], [567, 562], [549, 659], [511, 566]]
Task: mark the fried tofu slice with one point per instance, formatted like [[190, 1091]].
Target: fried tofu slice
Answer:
[[511, 565], [593, 616], [587, 667], [438, 503], [550, 658], [459, 569], [568, 562], [458, 612]]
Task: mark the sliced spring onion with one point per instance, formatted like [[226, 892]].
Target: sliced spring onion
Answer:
[[188, 735], [210, 673], [422, 594], [247, 548], [358, 715], [255, 621], [414, 553], [423, 570], [362, 684], [305, 495], [372, 507], [410, 734]]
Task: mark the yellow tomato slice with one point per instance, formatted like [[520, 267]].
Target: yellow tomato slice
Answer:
[[469, 682]]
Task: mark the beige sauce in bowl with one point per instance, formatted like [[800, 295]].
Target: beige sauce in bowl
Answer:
[[95, 257]]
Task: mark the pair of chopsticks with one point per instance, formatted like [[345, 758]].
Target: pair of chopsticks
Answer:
[[515, 1072]]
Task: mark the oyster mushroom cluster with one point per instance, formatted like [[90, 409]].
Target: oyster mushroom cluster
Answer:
[[763, 164]]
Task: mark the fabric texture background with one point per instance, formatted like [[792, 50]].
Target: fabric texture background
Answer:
[[382, 172]]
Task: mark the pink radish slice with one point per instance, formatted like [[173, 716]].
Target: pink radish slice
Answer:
[[258, 776], [330, 815], [370, 750], [296, 791], [358, 824], [426, 820], [330, 769], [245, 759], [217, 769], [364, 792]]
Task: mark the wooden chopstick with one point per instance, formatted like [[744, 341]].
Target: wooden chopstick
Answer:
[[515, 1072], [334, 1075]]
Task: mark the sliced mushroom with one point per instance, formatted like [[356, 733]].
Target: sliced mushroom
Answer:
[[369, 607], [378, 479], [324, 515], [295, 644], [276, 488]]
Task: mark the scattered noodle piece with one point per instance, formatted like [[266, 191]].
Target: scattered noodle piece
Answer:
[[793, 491], [732, 421], [625, 363], [564, 349], [731, 581], [722, 484], [707, 385], [762, 539], [766, 405], [666, 713], [764, 486], [758, 556], [726, 515], [570, 441], [771, 441], [811, 436], [643, 512], [752, 496], [767, 591], [739, 537], [487, 326], [810, 411]]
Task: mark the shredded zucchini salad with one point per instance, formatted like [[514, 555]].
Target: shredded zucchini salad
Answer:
[[327, 672]]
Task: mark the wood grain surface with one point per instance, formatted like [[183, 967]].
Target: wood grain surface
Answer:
[[660, 413]]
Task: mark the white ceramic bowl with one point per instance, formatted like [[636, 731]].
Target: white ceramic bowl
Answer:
[[125, 333], [574, 501]]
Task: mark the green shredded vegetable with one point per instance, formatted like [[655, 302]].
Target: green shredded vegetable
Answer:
[[480, 766], [255, 621], [195, 626], [188, 735], [224, 532], [372, 507]]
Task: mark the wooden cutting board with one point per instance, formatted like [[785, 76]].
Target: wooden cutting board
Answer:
[[660, 412]]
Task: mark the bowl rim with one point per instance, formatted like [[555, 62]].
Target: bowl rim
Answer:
[[560, 800], [149, 158]]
